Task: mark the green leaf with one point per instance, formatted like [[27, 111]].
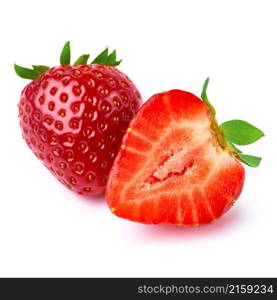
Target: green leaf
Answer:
[[104, 58], [115, 63], [112, 59], [250, 160], [25, 72], [234, 148], [204, 96], [65, 54], [82, 60], [240, 132], [40, 68]]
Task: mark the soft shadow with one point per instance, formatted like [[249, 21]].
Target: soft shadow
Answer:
[[93, 200], [99, 199], [156, 233]]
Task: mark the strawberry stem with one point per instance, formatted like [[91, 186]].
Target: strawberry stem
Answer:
[[233, 132], [218, 132], [205, 97]]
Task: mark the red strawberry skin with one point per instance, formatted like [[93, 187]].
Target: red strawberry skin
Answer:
[[171, 168], [74, 117]]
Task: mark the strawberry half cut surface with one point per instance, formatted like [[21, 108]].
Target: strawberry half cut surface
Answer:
[[177, 165], [73, 117]]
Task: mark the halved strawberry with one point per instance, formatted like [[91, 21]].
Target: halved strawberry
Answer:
[[176, 165]]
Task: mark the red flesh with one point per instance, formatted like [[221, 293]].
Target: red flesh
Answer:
[[171, 168]]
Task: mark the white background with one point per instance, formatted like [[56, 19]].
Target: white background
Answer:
[[46, 230]]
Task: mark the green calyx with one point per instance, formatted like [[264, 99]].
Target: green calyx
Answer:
[[82, 60], [233, 132], [104, 58]]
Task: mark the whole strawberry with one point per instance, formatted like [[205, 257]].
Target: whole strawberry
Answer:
[[177, 165], [73, 117]]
